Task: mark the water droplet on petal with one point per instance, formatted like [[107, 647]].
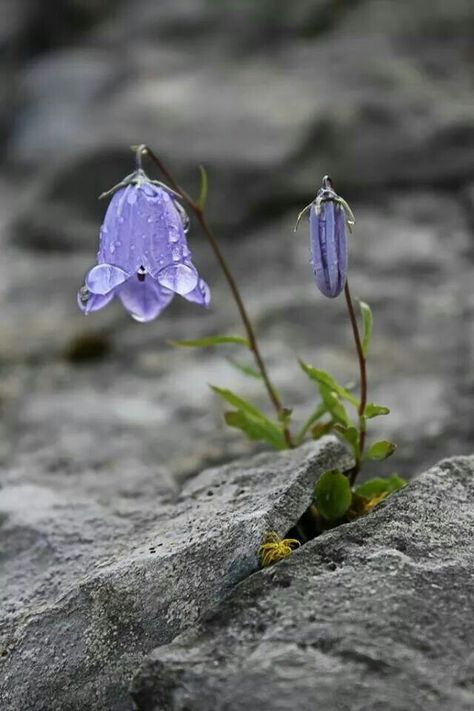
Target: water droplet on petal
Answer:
[[112, 247], [121, 220]]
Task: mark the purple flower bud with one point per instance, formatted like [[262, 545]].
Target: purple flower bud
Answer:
[[328, 215], [327, 229], [143, 256]]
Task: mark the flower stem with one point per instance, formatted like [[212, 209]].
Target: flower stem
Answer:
[[363, 380], [251, 337]]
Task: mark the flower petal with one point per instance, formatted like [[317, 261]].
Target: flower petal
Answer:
[[200, 295], [89, 302], [181, 278], [144, 300], [105, 277]]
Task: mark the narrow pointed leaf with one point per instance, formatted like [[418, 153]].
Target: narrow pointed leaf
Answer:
[[250, 419], [333, 495], [334, 406], [323, 378], [210, 341], [380, 450], [367, 323], [245, 369], [372, 410], [320, 410], [255, 429]]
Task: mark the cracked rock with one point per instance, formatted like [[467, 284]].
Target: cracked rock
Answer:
[[376, 614], [75, 644]]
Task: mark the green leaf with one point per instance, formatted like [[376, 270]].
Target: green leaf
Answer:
[[251, 420], [381, 449], [315, 415], [210, 341], [323, 378], [333, 495], [351, 435], [321, 428], [367, 323], [372, 410], [378, 486], [201, 201], [334, 406], [255, 429], [245, 369]]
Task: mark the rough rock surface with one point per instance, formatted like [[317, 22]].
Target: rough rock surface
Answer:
[[377, 614], [87, 590]]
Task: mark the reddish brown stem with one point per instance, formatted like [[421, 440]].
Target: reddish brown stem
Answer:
[[251, 337], [363, 380]]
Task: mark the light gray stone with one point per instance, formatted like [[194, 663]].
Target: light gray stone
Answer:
[[376, 614], [88, 589]]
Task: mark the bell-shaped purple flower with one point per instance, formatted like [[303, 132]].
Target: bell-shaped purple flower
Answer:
[[328, 216], [143, 256]]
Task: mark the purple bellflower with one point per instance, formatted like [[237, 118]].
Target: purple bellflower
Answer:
[[328, 216], [143, 256]]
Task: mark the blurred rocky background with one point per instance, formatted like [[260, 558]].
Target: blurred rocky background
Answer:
[[269, 96]]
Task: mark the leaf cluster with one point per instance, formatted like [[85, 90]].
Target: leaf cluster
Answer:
[[336, 502]]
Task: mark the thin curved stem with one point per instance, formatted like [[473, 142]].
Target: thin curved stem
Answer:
[[251, 337], [363, 380]]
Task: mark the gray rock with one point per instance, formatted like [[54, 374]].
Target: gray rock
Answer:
[[376, 614], [88, 589]]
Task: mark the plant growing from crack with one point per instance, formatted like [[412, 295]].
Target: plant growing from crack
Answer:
[[144, 260]]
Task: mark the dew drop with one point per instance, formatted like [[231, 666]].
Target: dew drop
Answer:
[[121, 220]]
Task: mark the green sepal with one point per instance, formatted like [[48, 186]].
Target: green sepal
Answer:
[[333, 495], [381, 450], [367, 324], [379, 486], [211, 341], [373, 410]]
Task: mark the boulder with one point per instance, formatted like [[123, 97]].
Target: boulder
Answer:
[[376, 614], [87, 590]]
